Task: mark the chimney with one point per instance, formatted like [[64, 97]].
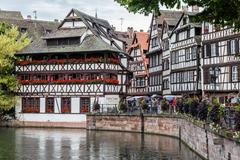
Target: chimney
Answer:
[[195, 9], [141, 30], [29, 17], [130, 32], [55, 20], [185, 8], [114, 28]]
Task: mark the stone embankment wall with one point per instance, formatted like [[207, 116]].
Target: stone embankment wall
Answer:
[[197, 137]]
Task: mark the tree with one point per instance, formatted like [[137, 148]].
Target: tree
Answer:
[[218, 12], [11, 41]]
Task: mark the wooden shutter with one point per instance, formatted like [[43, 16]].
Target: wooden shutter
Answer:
[[237, 46], [208, 50], [217, 49], [230, 74], [206, 76], [228, 47], [238, 69]]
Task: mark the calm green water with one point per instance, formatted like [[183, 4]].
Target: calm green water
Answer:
[[66, 144]]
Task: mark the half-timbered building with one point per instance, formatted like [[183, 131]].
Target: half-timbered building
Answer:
[[64, 72], [158, 42], [169, 24], [221, 65], [185, 61], [138, 49]]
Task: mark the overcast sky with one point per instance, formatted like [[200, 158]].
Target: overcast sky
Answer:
[[58, 9]]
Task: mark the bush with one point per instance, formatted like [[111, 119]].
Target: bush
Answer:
[[186, 106], [203, 110], [214, 114], [180, 105], [193, 106]]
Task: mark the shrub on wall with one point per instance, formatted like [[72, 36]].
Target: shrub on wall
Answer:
[[193, 106], [203, 110], [214, 114], [180, 105]]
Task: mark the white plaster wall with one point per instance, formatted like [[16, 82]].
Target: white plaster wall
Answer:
[[36, 117], [57, 105], [18, 106], [42, 105], [75, 105]]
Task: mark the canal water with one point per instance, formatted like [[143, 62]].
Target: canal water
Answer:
[[74, 144]]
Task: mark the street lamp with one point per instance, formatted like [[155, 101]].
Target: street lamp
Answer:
[[198, 41], [214, 73]]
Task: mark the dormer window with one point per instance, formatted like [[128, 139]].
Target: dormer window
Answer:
[[48, 31], [63, 41], [184, 20], [23, 30]]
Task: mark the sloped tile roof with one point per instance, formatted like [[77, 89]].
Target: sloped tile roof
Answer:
[[64, 33], [171, 15], [91, 43], [142, 38], [10, 14], [35, 28]]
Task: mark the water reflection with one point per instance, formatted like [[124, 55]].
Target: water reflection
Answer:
[[66, 144]]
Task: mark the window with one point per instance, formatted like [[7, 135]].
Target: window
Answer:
[[234, 73], [231, 47], [140, 82], [30, 105], [84, 104], [213, 50], [134, 52], [48, 31], [23, 30], [166, 84], [184, 20], [154, 42], [50, 105], [173, 57], [191, 76], [194, 53], [165, 64], [66, 105], [206, 27], [187, 54]]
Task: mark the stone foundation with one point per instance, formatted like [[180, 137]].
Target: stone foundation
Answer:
[[197, 137], [16, 123]]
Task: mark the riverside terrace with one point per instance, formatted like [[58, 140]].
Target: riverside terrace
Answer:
[[210, 112], [208, 128]]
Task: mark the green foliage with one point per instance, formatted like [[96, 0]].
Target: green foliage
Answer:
[[11, 41], [180, 105], [203, 110], [219, 12], [193, 107], [214, 114], [237, 120], [122, 106]]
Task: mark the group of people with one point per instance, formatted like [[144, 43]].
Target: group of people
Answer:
[[153, 105]]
